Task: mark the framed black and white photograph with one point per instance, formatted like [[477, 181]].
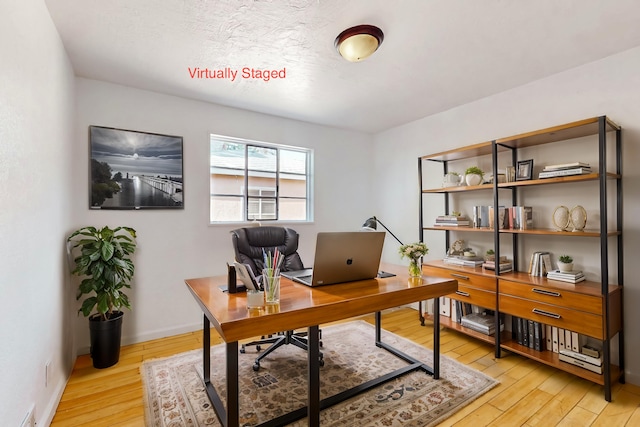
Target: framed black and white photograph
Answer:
[[524, 170], [134, 170]]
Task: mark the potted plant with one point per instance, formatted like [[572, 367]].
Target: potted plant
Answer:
[[565, 263], [473, 175], [490, 255], [105, 264]]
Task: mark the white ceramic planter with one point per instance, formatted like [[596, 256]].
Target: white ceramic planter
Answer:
[[473, 179], [564, 267]]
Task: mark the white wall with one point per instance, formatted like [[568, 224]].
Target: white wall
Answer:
[[177, 244], [36, 122], [607, 87]]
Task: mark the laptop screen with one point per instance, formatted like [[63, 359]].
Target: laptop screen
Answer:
[[345, 257]]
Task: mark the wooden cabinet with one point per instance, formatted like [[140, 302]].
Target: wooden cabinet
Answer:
[[592, 308]]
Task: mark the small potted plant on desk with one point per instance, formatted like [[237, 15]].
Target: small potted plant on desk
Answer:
[[105, 263], [565, 263], [473, 175]]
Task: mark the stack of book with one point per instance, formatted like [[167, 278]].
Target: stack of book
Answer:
[[594, 364], [566, 276], [566, 169], [540, 264], [465, 261], [482, 323], [452, 221], [504, 264]]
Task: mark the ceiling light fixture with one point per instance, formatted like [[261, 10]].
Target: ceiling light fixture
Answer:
[[359, 42]]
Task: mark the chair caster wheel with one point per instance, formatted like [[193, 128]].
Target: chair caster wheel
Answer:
[[242, 350], [321, 362], [256, 367], [258, 348], [320, 343]]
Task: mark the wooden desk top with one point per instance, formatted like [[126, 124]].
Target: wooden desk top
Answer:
[[302, 306]]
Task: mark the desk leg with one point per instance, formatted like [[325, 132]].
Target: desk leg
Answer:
[[313, 398], [436, 339], [233, 396], [229, 417]]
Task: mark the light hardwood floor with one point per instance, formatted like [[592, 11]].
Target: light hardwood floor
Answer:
[[529, 394]]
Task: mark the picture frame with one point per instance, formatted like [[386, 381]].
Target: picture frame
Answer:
[[524, 170], [130, 169]]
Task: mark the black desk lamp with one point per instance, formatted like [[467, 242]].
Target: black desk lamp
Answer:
[[372, 225]]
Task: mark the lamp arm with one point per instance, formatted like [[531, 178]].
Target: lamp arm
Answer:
[[385, 227]]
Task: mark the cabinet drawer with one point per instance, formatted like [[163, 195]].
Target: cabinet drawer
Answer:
[[559, 297], [475, 296], [577, 321], [463, 277]]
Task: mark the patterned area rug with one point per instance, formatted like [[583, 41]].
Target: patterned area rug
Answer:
[[175, 394]]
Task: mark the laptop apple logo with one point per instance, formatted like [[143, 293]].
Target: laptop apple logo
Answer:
[[349, 261]]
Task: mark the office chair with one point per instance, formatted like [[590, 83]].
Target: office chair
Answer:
[[248, 244]]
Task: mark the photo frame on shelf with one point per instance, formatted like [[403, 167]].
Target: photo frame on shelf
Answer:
[[524, 170], [134, 170]]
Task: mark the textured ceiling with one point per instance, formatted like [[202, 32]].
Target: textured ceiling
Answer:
[[436, 54]]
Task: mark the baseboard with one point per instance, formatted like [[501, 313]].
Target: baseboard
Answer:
[[160, 333], [50, 411]]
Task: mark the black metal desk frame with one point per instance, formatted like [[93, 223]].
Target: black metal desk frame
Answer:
[[229, 417]]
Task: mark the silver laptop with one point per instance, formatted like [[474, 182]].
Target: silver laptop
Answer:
[[342, 257]]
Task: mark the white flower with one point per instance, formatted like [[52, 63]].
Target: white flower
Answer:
[[413, 250]]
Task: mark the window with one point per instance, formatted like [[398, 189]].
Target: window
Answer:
[[259, 181]]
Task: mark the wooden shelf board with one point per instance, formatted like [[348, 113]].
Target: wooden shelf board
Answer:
[[552, 359], [481, 149], [459, 228], [563, 132], [460, 188], [536, 231]]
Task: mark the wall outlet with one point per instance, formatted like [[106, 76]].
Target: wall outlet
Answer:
[[47, 373], [29, 419]]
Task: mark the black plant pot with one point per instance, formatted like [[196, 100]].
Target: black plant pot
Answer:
[[105, 339]]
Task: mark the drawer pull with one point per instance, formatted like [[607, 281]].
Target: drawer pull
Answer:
[[463, 294], [460, 276], [545, 292], [546, 313]]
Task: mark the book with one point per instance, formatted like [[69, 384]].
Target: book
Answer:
[[568, 279], [563, 172], [464, 261], [589, 350], [597, 361], [479, 322], [504, 266], [540, 264], [578, 341], [566, 166], [567, 274], [554, 339], [580, 363], [445, 306]]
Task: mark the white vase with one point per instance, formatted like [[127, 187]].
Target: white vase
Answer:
[[473, 179]]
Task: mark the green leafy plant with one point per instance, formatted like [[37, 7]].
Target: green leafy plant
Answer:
[[490, 252], [565, 259], [106, 265], [474, 170]]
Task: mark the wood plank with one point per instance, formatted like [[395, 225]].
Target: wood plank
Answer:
[[86, 402]]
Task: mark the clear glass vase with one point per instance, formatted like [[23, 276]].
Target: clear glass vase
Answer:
[[415, 270]]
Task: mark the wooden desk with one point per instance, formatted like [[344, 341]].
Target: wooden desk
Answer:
[[304, 307]]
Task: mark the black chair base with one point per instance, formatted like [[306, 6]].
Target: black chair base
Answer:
[[299, 339]]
